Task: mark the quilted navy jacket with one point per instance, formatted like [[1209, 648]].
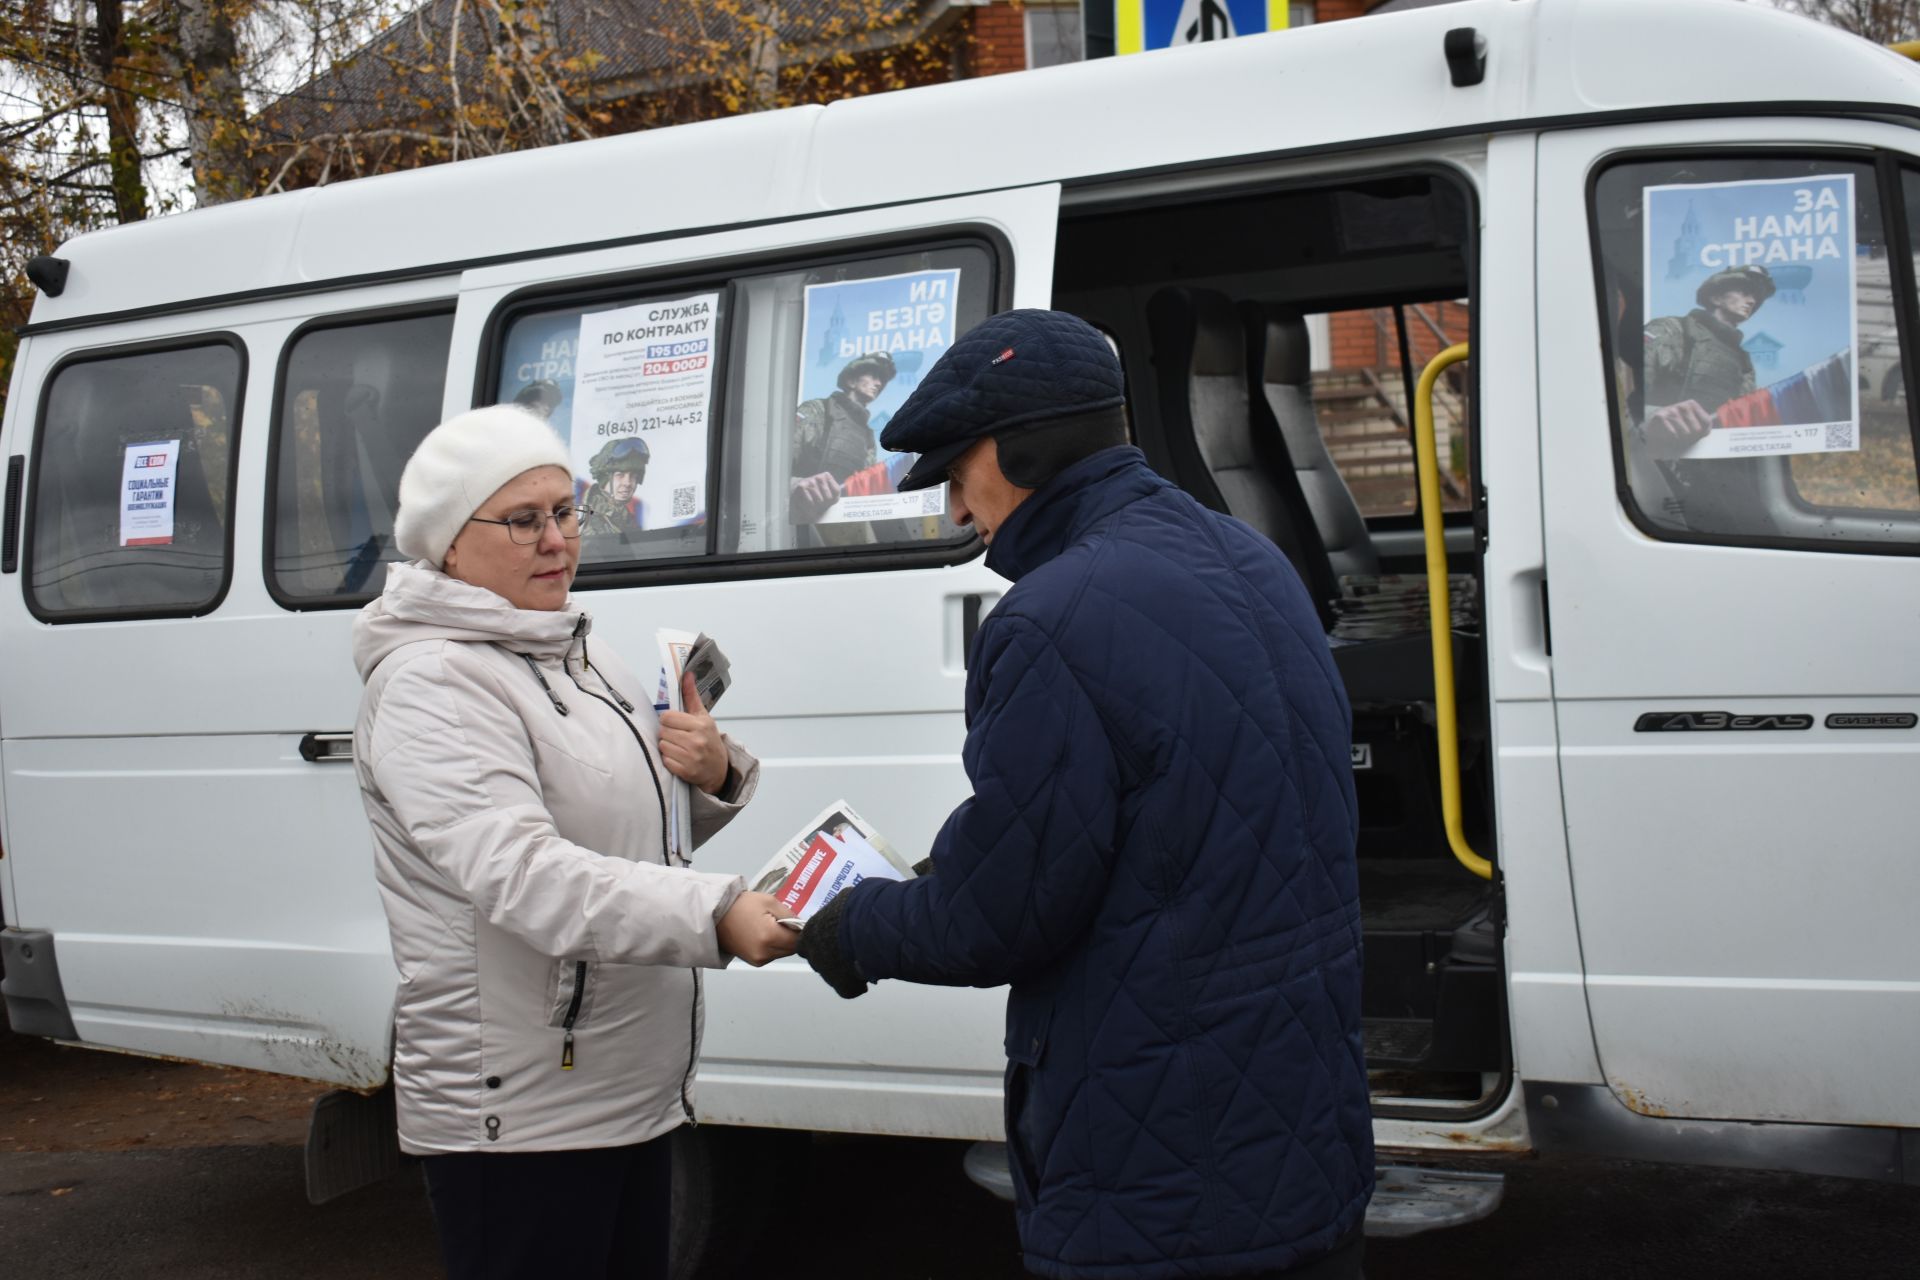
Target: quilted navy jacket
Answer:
[[1159, 858]]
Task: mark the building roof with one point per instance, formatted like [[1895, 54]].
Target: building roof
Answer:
[[614, 48]]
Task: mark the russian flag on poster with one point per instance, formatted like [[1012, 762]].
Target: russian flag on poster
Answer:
[[833, 863]]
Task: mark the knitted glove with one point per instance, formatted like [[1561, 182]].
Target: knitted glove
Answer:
[[821, 946]]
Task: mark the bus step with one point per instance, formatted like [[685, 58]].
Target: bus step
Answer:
[[1408, 1199], [1397, 1042], [986, 1165]]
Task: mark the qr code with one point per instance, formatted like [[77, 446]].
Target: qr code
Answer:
[[1840, 435], [683, 500], [931, 502]]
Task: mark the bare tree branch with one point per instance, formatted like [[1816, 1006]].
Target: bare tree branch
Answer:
[[1881, 21]]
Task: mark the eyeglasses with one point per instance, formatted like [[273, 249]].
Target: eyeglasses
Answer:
[[528, 527]]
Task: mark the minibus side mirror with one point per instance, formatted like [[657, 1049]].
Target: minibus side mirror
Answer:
[[1466, 51], [50, 274]]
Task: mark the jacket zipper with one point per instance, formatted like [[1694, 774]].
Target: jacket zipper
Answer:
[[545, 688], [666, 859], [573, 1011]]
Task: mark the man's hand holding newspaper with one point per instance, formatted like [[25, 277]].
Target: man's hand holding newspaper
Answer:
[[828, 856]]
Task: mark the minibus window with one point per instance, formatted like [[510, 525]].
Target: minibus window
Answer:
[[1753, 339], [132, 493], [1881, 475], [823, 357], [353, 402], [740, 417]]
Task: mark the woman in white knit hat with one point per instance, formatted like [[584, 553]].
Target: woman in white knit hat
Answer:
[[547, 1022]]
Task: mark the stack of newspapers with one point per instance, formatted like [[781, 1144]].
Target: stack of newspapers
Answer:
[[681, 652], [825, 858]]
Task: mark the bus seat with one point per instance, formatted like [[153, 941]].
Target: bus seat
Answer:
[[1279, 359], [1219, 453]]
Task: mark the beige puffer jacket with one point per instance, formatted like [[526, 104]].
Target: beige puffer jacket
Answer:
[[548, 998]]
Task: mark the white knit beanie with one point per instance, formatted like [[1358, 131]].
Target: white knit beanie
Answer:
[[461, 464]]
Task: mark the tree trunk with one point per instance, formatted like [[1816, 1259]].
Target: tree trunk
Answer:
[[763, 55], [123, 114], [218, 136], [528, 87]]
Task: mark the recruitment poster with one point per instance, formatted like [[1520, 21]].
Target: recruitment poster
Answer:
[[1750, 306], [865, 345], [643, 373], [536, 369], [647, 372], [146, 493]]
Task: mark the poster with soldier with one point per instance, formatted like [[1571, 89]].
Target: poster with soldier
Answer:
[[643, 393], [617, 403], [864, 346], [536, 366], [1750, 299]]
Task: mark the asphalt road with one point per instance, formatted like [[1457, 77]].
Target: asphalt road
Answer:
[[114, 1166], [221, 1212]]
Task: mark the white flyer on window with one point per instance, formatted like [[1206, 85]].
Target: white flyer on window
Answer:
[[146, 493], [646, 372], [864, 347]]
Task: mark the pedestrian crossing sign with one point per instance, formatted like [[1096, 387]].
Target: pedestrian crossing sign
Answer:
[[1161, 24]]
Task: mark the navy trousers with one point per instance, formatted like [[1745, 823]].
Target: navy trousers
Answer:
[[580, 1214]]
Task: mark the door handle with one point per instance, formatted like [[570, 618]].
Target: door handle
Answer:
[[962, 615], [327, 748], [10, 530]]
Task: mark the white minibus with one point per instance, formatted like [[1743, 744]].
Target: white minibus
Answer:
[[1625, 589]]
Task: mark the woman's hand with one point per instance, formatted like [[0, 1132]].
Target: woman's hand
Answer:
[[751, 929], [690, 744]]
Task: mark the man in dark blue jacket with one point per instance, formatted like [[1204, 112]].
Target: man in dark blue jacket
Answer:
[[1158, 856]]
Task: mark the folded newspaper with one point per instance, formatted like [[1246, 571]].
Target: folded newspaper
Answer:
[[828, 856], [680, 652]]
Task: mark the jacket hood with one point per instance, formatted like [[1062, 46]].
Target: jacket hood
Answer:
[[422, 603], [1048, 522]]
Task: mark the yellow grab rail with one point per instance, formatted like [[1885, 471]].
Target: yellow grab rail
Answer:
[[1439, 609], [1907, 49]]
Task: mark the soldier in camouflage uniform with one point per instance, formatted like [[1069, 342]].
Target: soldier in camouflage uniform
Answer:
[[831, 441], [618, 469], [1697, 357], [1695, 364]]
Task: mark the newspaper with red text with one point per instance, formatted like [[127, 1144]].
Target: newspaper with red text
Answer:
[[825, 858]]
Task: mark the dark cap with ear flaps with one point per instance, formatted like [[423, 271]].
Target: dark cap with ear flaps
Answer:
[[1012, 372]]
